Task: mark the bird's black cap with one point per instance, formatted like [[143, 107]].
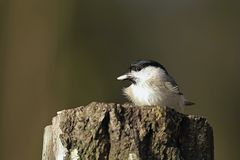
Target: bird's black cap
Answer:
[[140, 64]]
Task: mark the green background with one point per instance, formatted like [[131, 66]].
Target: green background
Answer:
[[60, 54]]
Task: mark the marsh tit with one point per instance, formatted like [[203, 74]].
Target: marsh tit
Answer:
[[151, 84]]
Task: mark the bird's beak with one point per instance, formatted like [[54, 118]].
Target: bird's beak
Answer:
[[126, 76]]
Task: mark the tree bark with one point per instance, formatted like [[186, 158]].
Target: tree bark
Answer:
[[127, 132]]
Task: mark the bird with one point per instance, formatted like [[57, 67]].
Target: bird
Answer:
[[152, 85]]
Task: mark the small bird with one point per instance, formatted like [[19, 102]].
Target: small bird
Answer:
[[151, 84]]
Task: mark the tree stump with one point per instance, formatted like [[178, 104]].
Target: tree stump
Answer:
[[101, 131]]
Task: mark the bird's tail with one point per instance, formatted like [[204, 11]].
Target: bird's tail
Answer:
[[188, 103]]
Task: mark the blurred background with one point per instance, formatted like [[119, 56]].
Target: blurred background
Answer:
[[60, 54]]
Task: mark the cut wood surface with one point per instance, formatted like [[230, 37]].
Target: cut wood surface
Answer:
[[127, 132]]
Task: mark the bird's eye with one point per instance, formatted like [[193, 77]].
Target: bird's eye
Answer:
[[138, 68], [135, 68]]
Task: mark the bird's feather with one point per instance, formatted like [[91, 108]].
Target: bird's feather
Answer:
[[171, 85]]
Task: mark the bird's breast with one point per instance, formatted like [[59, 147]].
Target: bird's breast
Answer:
[[143, 95]]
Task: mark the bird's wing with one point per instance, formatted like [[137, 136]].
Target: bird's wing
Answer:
[[171, 85]]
